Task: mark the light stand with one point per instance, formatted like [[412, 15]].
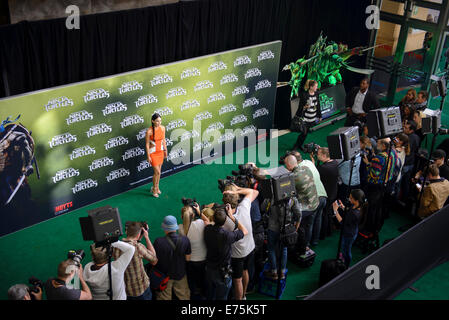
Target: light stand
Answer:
[[282, 208]]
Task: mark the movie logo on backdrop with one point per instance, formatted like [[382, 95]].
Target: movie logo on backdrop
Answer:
[[100, 163], [95, 94], [62, 139], [147, 99], [98, 129], [58, 103], [161, 79], [82, 152], [79, 116], [90, 136]]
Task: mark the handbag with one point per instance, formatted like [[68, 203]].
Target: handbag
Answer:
[[289, 236], [297, 124], [153, 146], [158, 279]]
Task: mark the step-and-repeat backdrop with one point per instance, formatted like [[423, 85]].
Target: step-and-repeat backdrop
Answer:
[[78, 144]]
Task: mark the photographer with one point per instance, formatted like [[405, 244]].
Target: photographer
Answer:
[[355, 212], [380, 172], [439, 156], [408, 170], [96, 272], [328, 170], [173, 252], [291, 213], [219, 246], [57, 289], [22, 292], [366, 150], [306, 192], [137, 282], [256, 265], [435, 193], [313, 232], [243, 250], [344, 172], [194, 230]]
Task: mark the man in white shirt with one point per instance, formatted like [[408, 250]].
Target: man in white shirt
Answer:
[[242, 250], [359, 102], [96, 272]]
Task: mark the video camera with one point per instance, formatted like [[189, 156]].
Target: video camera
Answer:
[[278, 188], [35, 284], [311, 147], [76, 256], [241, 178], [103, 226], [239, 181]]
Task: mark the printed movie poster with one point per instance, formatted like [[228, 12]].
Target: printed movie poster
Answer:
[[69, 146]]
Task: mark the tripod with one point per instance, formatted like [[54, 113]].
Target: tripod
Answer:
[[107, 244]]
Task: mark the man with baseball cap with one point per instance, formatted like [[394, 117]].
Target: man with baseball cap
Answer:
[[439, 158], [173, 251]]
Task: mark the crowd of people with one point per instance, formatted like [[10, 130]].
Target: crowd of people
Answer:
[[219, 250]]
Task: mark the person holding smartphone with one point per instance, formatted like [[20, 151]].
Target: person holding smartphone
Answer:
[[353, 215]]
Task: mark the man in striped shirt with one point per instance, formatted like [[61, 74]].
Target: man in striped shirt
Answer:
[[136, 280], [380, 172]]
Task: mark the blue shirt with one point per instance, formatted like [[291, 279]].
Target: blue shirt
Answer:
[[344, 172], [170, 262]]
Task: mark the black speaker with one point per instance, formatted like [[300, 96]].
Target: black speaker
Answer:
[[384, 122], [438, 88], [432, 122], [344, 143], [101, 224]]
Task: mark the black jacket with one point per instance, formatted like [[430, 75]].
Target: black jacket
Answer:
[[370, 102]]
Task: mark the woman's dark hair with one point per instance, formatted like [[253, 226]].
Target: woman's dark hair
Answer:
[[405, 142], [359, 195], [154, 117]]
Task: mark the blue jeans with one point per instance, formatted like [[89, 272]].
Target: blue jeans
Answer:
[[217, 286], [146, 295], [273, 251], [307, 224], [316, 224], [346, 246]]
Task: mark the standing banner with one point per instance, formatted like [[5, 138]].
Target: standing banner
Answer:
[[69, 146]]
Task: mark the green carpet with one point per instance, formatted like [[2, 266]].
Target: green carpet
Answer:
[[37, 250]]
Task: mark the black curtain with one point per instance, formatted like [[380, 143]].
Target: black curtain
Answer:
[[44, 54]]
